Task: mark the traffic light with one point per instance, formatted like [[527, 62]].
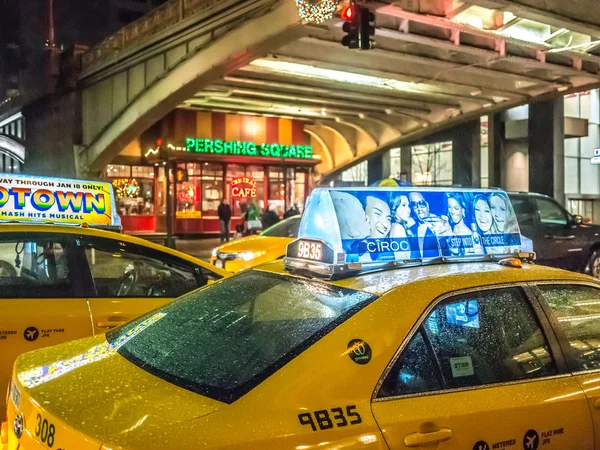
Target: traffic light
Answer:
[[366, 28], [351, 16], [181, 175]]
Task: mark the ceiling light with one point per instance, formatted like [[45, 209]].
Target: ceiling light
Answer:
[[318, 73], [323, 112]]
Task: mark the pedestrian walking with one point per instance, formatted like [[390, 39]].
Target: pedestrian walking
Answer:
[[224, 212]]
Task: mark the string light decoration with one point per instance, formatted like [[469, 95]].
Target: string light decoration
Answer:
[[126, 188], [316, 11]]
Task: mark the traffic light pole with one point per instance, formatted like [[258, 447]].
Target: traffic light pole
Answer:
[[170, 242]]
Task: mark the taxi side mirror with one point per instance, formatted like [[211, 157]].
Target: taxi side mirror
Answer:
[[577, 220], [209, 282]]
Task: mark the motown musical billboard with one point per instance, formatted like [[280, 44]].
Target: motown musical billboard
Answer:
[[56, 200]]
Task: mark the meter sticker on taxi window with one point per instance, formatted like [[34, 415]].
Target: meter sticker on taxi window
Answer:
[[465, 314], [15, 395], [462, 366], [56, 200]]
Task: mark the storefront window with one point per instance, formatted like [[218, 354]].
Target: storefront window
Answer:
[[432, 164], [212, 188], [255, 175], [134, 189], [298, 189], [276, 190], [188, 193]]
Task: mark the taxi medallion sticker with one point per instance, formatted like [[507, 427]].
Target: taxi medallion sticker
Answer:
[[15, 395], [359, 351]]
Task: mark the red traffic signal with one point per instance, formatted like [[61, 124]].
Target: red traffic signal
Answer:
[[159, 142], [348, 13]]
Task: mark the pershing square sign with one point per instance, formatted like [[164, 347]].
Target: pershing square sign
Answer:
[[55, 200], [382, 224]]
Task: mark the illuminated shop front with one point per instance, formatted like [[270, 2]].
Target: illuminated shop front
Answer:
[[245, 159]]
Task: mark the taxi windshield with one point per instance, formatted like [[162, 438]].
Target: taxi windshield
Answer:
[[287, 228], [224, 340]]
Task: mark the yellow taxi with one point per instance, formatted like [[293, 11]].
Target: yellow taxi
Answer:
[[251, 251], [63, 282], [354, 341]]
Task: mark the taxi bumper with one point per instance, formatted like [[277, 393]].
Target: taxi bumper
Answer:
[[40, 430]]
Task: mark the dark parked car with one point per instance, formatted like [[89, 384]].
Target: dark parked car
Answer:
[[559, 238]]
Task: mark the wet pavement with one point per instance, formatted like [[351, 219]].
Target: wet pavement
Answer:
[[199, 247]]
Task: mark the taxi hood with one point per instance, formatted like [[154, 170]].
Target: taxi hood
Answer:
[[90, 387], [256, 243]]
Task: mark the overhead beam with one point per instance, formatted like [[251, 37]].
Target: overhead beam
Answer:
[[290, 83], [380, 103], [544, 16], [391, 64]]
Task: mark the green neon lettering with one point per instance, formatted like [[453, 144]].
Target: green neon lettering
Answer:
[[245, 148], [190, 143]]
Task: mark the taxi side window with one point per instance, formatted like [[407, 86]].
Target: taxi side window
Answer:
[[34, 269], [474, 339], [577, 309], [126, 270]]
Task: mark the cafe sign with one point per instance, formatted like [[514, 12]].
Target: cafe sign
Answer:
[[243, 187], [239, 148]]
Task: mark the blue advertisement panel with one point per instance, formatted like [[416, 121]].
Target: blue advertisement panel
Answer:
[[377, 225]]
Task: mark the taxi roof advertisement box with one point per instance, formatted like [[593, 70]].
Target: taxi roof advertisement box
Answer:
[[57, 200], [395, 224]]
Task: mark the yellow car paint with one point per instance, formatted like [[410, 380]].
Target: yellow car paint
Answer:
[[97, 397], [31, 323]]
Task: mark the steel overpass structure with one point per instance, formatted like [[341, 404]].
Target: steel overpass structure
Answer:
[[435, 63]]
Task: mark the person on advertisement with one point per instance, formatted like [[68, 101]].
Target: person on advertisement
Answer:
[[428, 227], [504, 222], [402, 226], [353, 223], [462, 242], [380, 219]]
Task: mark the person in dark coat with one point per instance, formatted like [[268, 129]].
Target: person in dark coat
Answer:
[[224, 212], [269, 217], [293, 211]]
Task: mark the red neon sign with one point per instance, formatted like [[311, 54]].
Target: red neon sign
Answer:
[[243, 187]]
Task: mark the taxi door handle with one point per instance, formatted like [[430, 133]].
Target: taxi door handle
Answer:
[[417, 439], [110, 324]]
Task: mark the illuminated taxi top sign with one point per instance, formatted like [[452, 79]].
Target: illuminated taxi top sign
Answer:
[[362, 227], [56, 200], [218, 147]]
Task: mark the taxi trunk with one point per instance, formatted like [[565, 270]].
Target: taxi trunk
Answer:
[[132, 402]]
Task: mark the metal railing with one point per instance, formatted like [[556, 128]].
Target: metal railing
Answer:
[[157, 20]]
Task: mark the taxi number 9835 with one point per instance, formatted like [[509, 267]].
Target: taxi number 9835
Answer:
[[310, 250], [45, 431]]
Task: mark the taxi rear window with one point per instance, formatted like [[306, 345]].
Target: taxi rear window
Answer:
[[224, 340]]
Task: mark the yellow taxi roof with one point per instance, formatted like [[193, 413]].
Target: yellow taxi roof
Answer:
[[96, 232], [444, 278]]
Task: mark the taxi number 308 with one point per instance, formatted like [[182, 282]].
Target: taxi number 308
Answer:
[[310, 250], [45, 431], [326, 420]]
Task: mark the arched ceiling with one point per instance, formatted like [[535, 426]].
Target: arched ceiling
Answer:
[[439, 63]]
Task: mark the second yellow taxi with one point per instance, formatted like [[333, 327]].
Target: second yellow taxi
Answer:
[[64, 282]]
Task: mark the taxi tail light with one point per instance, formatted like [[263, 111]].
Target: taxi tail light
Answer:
[[4, 432]]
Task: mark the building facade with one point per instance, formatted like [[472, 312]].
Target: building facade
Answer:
[[267, 161]]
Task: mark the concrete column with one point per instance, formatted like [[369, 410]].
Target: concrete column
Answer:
[[495, 150], [546, 148], [466, 155], [374, 169], [406, 163], [386, 163]]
